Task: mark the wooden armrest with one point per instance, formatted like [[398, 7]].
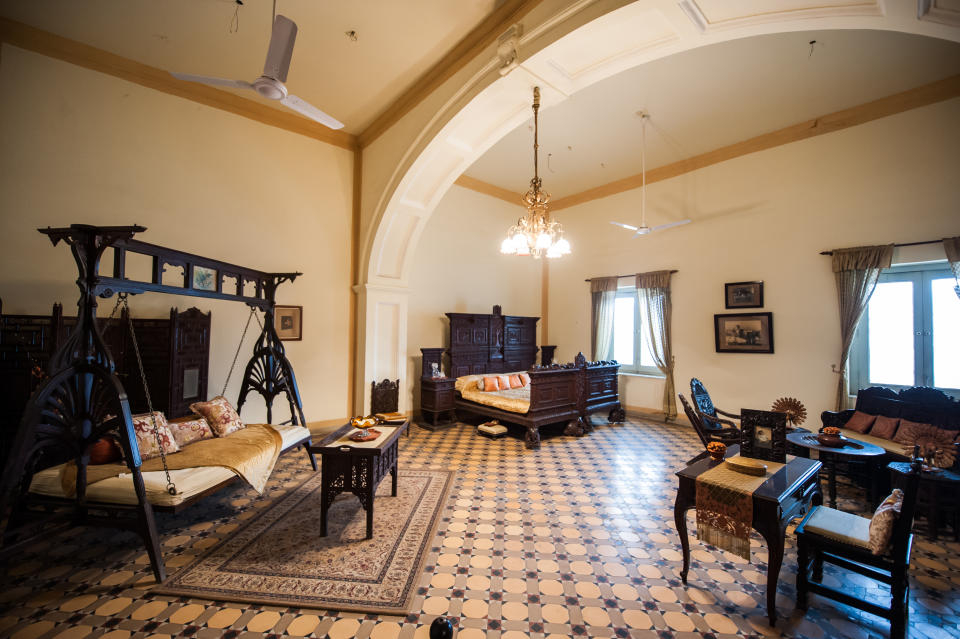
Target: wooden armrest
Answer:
[[723, 412], [714, 423]]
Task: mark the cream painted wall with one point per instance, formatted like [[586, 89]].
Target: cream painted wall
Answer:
[[458, 268], [79, 146], [766, 216]]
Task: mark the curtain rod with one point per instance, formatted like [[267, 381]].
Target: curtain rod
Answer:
[[627, 275], [901, 244]]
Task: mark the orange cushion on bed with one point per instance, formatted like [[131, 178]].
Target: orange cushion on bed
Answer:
[[490, 384], [515, 381], [504, 381], [525, 379]]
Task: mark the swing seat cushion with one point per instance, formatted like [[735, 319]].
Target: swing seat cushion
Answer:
[[220, 415], [147, 439]]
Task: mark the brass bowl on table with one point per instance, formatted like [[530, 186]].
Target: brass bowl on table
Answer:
[[833, 441]]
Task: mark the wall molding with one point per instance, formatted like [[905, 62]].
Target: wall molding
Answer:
[[48, 44], [482, 36], [924, 95], [492, 190]]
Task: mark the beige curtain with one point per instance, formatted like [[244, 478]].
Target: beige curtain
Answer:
[[653, 290], [603, 295], [857, 271], [951, 245]]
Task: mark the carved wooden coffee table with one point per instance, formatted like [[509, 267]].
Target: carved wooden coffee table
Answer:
[[356, 467]]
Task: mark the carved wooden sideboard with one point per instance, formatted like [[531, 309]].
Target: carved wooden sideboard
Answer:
[[491, 343]]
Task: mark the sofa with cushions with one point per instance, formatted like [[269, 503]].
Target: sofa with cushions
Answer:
[[896, 421]]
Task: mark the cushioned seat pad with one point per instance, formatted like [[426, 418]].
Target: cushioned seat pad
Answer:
[[840, 526], [887, 444]]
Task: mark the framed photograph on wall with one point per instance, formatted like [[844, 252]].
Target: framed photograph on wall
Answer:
[[743, 294], [763, 435], [743, 332], [288, 322]]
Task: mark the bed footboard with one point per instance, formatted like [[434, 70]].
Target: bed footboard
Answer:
[[601, 391]]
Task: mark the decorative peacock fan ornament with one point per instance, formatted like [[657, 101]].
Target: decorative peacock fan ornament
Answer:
[[796, 413]]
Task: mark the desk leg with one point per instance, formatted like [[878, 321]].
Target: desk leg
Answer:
[[393, 480], [324, 506], [371, 493], [831, 463], [680, 509], [775, 542]]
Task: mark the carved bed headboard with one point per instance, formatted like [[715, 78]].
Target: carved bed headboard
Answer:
[[491, 343]]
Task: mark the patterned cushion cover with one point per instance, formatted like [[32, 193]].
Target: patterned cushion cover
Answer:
[[911, 433], [187, 431], [515, 381], [860, 422], [105, 450], [525, 379], [220, 415], [147, 440], [885, 427], [881, 525]]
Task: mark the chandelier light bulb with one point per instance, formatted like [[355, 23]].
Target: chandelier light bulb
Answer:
[[563, 246], [519, 241], [554, 252], [544, 241], [507, 247]]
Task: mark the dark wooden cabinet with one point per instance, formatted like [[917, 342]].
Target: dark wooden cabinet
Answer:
[[436, 401]]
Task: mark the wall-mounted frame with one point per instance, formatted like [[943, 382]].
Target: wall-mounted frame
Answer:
[[743, 294], [763, 435], [743, 332], [288, 322]]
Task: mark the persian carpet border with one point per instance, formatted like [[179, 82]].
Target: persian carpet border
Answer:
[[237, 541]]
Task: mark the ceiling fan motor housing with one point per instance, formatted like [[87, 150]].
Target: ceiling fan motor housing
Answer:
[[270, 88]]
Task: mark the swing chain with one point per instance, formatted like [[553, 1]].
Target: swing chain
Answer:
[[122, 299], [253, 311]]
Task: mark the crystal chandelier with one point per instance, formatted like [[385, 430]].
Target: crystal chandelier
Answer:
[[536, 233]]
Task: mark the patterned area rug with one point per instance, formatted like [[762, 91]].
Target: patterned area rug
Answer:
[[279, 558]]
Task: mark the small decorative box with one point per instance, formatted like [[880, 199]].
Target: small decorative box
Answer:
[[493, 430]]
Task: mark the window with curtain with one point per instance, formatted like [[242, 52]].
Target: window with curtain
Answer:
[[631, 336], [908, 335]]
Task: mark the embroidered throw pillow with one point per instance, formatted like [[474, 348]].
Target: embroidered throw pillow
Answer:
[[860, 422], [515, 381], [220, 415], [488, 384], [885, 427], [147, 440], [883, 520], [187, 431], [525, 379], [912, 432]]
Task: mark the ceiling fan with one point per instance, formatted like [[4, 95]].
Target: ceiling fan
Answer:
[[643, 229], [270, 84]]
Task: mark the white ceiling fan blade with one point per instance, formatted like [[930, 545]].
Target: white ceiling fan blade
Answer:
[[312, 112], [281, 48], [671, 224], [218, 82], [626, 226]]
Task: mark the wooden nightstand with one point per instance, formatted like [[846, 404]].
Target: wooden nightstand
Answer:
[[436, 402]]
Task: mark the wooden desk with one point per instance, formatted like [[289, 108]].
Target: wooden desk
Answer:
[[783, 497], [356, 468]]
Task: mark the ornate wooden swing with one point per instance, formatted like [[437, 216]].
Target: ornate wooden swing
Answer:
[[83, 399]]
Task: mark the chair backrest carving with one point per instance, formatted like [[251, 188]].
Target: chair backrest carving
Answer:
[[901, 529], [701, 398], [385, 396]]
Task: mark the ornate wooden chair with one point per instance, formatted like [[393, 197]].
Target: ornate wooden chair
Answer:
[[842, 539], [705, 408], [385, 397], [707, 434]]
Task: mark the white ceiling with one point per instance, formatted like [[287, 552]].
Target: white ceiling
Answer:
[[706, 98], [397, 41]]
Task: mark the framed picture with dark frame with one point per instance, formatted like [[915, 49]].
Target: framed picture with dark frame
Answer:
[[743, 294], [763, 435], [743, 332], [288, 322]]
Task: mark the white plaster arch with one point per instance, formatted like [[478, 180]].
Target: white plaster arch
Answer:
[[565, 47]]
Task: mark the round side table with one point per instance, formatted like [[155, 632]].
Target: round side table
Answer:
[[938, 496], [828, 455]]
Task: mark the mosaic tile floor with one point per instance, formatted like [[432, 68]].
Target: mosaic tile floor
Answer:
[[576, 539]]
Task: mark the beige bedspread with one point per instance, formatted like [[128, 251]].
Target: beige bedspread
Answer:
[[251, 453], [515, 400]]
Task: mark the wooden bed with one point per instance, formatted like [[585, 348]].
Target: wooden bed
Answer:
[[493, 343]]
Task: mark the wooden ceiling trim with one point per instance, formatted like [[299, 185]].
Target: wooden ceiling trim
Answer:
[[890, 105], [480, 186], [482, 36], [45, 43]]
